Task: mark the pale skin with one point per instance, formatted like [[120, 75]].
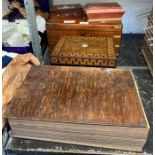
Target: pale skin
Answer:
[[22, 11]]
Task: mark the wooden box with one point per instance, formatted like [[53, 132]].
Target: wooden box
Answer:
[[87, 51], [80, 105], [104, 12], [56, 30], [70, 13]]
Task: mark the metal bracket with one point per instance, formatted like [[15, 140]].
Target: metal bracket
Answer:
[[119, 26], [31, 17]]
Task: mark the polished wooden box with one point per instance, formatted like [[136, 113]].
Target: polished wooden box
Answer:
[[68, 10], [56, 30], [69, 13], [87, 51]]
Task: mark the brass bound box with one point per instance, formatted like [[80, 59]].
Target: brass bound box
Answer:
[[86, 51]]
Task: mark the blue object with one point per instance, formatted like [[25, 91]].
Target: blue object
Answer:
[[5, 61], [18, 50], [44, 4]]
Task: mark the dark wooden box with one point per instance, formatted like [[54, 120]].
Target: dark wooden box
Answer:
[[86, 51], [69, 13]]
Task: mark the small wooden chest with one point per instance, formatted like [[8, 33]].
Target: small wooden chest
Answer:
[[86, 51], [70, 13]]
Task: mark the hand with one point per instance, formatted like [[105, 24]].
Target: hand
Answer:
[[14, 5]]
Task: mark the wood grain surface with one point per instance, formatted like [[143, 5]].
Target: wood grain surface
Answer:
[[79, 95]]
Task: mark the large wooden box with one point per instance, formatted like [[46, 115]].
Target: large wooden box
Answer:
[[80, 105], [87, 51], [56, 30]]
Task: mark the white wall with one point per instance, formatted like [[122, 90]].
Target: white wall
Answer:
[[131, 23]]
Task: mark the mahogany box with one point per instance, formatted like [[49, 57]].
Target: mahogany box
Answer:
[[69, 13]]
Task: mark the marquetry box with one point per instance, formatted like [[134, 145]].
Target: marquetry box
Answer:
[[87, 51], [56, 30]]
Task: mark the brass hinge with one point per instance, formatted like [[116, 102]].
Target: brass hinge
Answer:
[[117, 37], [118, 26], [117, 46]]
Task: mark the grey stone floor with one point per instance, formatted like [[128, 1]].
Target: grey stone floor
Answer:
[[130, 52]]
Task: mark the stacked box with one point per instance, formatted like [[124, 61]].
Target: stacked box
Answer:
[[104, 12], [82, 27], [70, 13]]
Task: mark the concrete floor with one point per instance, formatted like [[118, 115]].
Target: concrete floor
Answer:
[[130, 57]]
